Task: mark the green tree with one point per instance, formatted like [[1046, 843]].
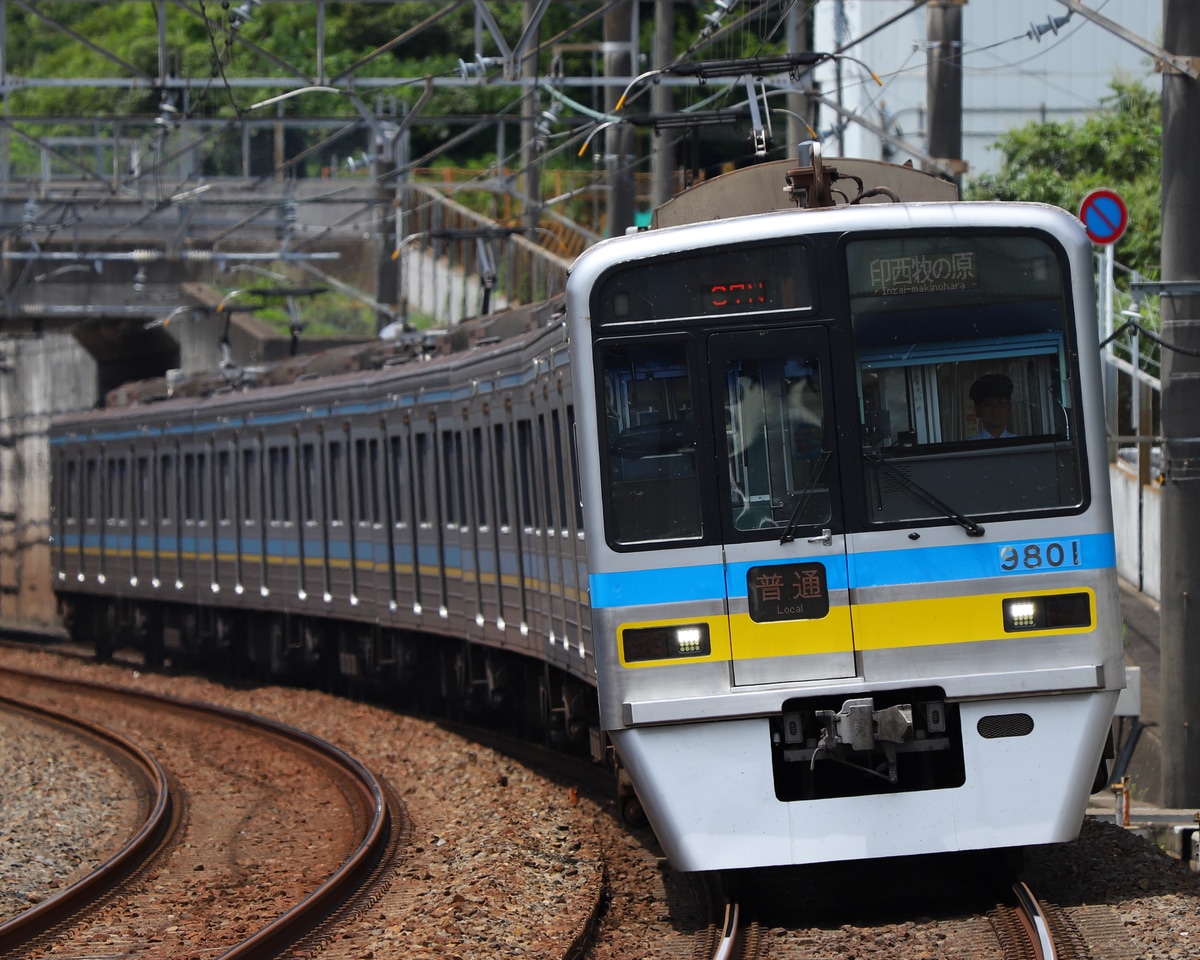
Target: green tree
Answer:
[[1119, 147]]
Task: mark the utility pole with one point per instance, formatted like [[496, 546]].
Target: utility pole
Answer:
[[1179, 620], [662, 101], [387, 208], [798, 104], [532, 185], [944, 83], [620, 37]]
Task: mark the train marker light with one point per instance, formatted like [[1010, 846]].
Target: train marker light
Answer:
[[665, 642], [1060, 611]]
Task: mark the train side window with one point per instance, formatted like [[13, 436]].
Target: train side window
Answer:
[[547, 487], [530, 516], [560, 478], [450, 474], [115, 511], [189, 487], [452, 468], [500, 473], [71, 492], [308, 482], [366, 465], [166, 490], [89, 490], [574, 467], [398, 467], [143, 489], [250, 480], [652, 485], [202, 487], [336, 469], [422, 471], [477, 457], [224, 479], [373, 476], [279, 484]]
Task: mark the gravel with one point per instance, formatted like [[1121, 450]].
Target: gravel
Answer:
[[66, 808]]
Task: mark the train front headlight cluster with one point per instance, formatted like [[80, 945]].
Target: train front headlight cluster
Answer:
[[669, 642], [1060, 611]]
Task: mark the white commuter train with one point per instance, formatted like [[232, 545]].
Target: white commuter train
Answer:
[[744, 512]]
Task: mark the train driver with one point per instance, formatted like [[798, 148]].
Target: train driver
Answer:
[[992, 396]]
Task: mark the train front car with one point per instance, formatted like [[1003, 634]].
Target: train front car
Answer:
[[850, 539]]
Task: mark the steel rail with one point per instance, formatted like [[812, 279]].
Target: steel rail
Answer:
[[156, 828], [1033, 918], [304, 916]]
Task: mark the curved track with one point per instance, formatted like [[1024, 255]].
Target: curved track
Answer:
[[377, 820], [157, 824]]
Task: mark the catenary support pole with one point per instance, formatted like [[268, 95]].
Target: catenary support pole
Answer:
[[944, 82], [662, 158], [619, 39], [1179, 630]]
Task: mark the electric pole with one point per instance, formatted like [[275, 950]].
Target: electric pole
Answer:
[[619, 42], [662, 101], [944, 83], [799, 106], [1179, 620], [530, 164]]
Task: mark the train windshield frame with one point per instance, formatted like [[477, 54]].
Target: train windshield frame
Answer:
[[704, 434], [964, 357]]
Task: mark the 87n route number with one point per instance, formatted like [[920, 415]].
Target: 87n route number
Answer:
[[1040, 556]]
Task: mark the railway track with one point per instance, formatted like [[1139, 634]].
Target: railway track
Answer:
[[1031, 930], [157, 822], [280, 829]]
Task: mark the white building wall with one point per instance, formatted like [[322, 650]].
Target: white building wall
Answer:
[[1008, 78], [1137, 513]]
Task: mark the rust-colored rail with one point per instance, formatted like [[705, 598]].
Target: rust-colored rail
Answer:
[[306, 915], [155, 830]]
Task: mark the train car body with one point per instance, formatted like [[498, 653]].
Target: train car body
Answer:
[[834, 616], [321, 530], [818, 608]]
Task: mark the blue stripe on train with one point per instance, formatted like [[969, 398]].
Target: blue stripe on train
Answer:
[[882, 568]]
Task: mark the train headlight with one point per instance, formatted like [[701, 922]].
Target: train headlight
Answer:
[[1061, 611], [665, 642]]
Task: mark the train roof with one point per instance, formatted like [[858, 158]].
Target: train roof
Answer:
[[415, 362]]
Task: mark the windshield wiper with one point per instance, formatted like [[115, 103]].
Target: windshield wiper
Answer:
[[973, 529], [789, 532]]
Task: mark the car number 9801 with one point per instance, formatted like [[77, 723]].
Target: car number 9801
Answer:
[[1037, 556]]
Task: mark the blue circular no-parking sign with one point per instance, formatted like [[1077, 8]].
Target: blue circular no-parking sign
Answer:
[[1104, 216]]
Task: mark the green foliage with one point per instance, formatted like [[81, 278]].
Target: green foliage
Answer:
[[1119, 147]]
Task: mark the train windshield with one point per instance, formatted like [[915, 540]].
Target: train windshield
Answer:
[[768, 389], [965, 392], [653, 483]]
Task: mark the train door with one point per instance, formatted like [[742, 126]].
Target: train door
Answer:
[[401, 545], [314, 566], [458, 562], [337, 513], [143, 521], [251, 560], [171, 518], [224, 518], [483, 592], [116, 553], [68, 526], [510, 579], [279, 516], [427, 519], [784, 544], [369, 532]]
